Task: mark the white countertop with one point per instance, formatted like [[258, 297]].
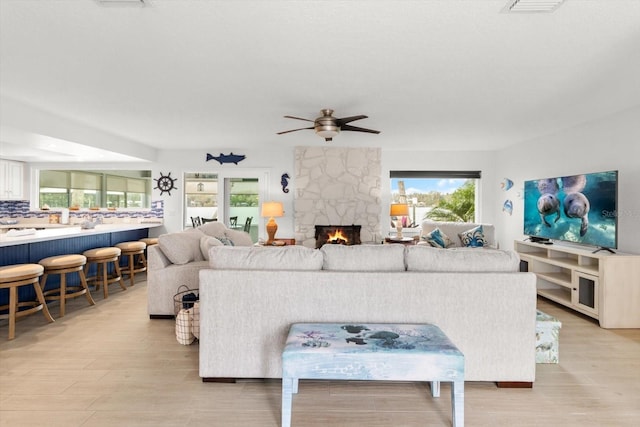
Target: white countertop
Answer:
[[71, 231]]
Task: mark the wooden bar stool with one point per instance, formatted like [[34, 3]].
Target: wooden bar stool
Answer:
[[14, 276], [63, 265], [130, 250], [150, 241], [102, 257]]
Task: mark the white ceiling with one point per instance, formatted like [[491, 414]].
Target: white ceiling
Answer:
[[189, 74]]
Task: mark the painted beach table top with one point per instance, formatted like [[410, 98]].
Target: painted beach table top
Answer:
[[372, 351], [418, 352]]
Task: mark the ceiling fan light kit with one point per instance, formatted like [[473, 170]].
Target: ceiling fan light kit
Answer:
[[325, 126], [328, 126]]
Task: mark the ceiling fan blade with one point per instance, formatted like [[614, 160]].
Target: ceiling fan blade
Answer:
[[299, 118], [351, 119], [357, 129], [294, 130]]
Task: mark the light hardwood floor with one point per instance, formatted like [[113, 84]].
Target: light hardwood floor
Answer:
[[109, 365]]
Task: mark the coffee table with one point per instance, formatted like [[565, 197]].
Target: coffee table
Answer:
[[372, 351]]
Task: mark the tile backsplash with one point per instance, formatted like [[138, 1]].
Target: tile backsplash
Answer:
[[21, 209]]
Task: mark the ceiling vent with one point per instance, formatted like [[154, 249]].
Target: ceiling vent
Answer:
[[122, 2], [532, 6]]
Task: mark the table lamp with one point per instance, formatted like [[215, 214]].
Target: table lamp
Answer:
[[399, 210], [271, 210]]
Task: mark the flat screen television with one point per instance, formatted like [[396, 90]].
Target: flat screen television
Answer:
[[578, 208]]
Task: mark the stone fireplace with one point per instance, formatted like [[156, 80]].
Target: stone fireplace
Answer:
[[337, 186], [337, 235]]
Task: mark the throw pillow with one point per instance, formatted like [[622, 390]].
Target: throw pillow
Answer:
[[207, 242], [238, 237], [213, 228], [225, 241], [437, 239], [182, 247], [473, 238]]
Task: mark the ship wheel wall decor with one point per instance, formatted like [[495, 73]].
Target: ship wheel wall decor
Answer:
[[165, 183]]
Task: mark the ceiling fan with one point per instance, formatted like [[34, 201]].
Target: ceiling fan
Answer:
[[328, 126]]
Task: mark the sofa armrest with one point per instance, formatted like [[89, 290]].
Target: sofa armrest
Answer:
[[156, 259]]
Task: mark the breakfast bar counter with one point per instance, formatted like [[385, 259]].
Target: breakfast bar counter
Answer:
[[57, 232]]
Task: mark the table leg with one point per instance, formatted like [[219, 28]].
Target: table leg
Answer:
[[295, 386], [457, 403], [435, 388], [287, 390]]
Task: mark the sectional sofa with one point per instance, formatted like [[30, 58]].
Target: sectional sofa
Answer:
[[249, 296]]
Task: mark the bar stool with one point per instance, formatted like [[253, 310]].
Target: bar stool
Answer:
[[102, 257], [149, 241], [130, 250], [63, 265], [14, 276]]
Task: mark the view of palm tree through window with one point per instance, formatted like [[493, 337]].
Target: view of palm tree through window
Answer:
[[436, 199]]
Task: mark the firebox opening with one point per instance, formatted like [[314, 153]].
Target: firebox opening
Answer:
[[337, 234]]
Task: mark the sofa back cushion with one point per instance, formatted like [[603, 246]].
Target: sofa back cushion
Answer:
[[239, 237], [265, 258], [206, 243], [426, 258], [221, 232], [182, 247], [363, 257]]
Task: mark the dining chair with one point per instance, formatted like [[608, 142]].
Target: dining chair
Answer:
[[247, 224]]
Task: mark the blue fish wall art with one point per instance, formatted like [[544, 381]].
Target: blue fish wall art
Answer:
[[227, 158], [507, 206], [506, 184]]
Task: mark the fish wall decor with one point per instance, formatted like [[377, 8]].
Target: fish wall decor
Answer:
[[506, 184], [507, 207], [227, 158]]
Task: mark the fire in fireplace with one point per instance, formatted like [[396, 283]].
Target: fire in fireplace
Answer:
[[337, 235]]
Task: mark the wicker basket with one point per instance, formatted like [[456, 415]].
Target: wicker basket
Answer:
[[187, 309]]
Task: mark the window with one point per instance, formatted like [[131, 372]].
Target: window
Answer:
[[87, 189], [436, 195]]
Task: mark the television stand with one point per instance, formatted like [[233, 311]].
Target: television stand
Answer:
[[603, 249], [601, 285]]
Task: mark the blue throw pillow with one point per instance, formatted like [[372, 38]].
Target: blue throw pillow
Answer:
[[473, 238], [226, 241], [437, 239]]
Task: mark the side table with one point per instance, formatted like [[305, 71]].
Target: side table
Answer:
[[286, 241], [408, 241]]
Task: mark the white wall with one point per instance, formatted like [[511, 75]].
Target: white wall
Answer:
[[268, 164], [612, 143]]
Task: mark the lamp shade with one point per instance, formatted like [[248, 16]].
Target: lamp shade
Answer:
[[399, 209], [272, 209]]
